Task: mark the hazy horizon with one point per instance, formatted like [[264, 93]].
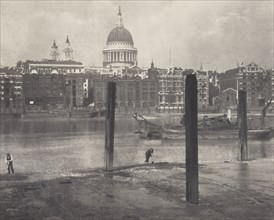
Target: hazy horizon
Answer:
[[219, 34]]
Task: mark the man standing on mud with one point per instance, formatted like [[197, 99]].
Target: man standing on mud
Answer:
[[149, 153], [9, 161]]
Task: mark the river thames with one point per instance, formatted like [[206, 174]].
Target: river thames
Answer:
[[54, 146]]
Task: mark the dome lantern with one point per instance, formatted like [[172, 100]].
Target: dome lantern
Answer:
[[120, 19], [119, 33]]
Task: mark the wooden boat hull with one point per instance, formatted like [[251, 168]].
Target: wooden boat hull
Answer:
[[101, 113], [259, 134], [208, 134], [222, 129]]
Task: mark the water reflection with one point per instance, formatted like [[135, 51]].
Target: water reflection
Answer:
[[260, 149], [263, 151], [61, 145], [243, 175]]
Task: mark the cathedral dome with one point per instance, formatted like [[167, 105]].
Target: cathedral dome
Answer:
[[120, 51], [120, 34]]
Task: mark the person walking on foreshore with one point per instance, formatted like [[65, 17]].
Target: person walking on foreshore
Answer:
[[9, 162]]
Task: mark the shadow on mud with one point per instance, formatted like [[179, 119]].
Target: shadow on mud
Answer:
[[7, 177], [161, 165]]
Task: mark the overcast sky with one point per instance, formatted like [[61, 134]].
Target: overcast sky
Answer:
[[217, 33]]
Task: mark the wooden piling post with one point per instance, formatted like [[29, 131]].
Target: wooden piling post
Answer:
[[191, 123], [110, 122], [242, 121]]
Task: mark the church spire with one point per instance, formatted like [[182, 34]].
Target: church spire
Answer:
[[54, 51], [120, 18], [68, 50], [54, 45], [119, 13], [152, 64]]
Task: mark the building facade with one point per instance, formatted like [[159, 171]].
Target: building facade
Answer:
[[133, 93], [228, 79], [256, 81], [54, 67], [12, 99], [44, 90], [203, 88], [213, 88], [229, 99], [76, 90], [47, 83], [171, 84], [271, 72]]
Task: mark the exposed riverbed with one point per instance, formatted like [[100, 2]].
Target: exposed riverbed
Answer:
[[54, 146]]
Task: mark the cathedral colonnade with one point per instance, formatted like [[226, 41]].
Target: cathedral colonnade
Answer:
[[120, 56]]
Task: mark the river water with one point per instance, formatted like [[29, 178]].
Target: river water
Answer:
[[55, 146]]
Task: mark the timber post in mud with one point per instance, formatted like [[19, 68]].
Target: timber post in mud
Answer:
[[242, 120], [191, 123], [110, 124]]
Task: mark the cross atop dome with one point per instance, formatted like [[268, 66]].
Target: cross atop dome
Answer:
[[120, 18]]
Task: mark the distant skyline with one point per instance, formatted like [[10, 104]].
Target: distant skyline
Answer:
[[219, 34]]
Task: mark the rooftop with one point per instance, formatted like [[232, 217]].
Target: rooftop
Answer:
[[47, 61]]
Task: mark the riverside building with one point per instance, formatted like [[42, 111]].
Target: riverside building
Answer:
[[47, 82], [133, 94], [11, 95], [171, 84], [252, 78]]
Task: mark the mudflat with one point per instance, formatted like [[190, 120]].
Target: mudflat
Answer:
[[228, 190]]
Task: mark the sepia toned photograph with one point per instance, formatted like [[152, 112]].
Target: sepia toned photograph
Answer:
[[136, 110]]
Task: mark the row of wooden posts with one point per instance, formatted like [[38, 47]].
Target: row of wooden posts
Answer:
[[191, 123]]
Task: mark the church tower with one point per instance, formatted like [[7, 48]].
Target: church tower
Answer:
[[152, 65], [54, 52], [68, 50]]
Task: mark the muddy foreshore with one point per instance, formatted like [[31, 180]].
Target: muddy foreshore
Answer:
[[228, 190]]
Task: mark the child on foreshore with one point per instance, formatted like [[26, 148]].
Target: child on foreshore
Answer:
[[9, 162]]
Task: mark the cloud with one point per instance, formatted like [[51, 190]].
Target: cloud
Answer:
[[218, 33], [236, 36]]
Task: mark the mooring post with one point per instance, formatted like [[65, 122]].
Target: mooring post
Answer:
[[110, 121], [242, 121], [191, 123]]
